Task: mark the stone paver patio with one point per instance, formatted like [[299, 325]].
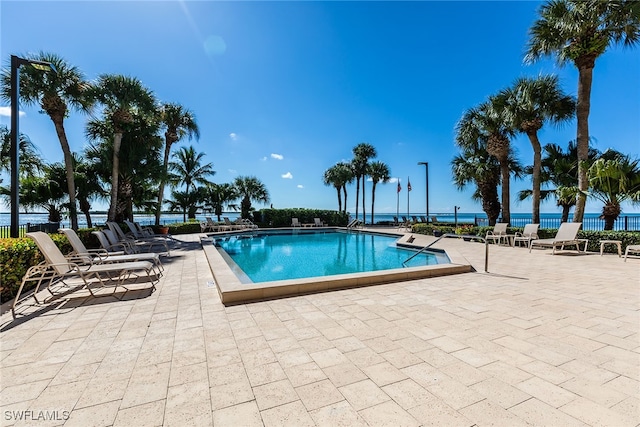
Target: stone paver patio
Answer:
[[539, 340]]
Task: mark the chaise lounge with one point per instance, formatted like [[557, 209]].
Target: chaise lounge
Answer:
[[566, 236]]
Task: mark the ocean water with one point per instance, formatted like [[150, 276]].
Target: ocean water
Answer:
[[592, 221]]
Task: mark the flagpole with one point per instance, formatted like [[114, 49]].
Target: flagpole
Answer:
[[398, 200], [408, 192]]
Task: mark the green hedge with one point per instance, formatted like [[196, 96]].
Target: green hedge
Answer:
[[282, 217], [16, 256], [179, 228]]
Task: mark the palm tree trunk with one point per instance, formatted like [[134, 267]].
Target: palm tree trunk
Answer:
[[364, 214], [344, 190], [585, 77], [115, 171], [357, 194], [537, 166], [506, 211], [165, 169], [339, 200], [373, 199], [565, 213], [490, 203], [68, 165]]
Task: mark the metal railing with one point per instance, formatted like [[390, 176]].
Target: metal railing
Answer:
[[622, 223], [470, 236]]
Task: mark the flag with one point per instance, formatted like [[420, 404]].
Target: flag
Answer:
[[399, 187], [408, 185]]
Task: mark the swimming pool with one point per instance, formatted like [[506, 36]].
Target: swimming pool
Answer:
[[234, 286], [265, 257]]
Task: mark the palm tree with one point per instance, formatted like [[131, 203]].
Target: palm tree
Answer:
[[178, 123], [139, 161], [559, 169], [189, 170], [250, 189], [530, 103], [614, 178], [123, 97], [30, 160], [56, 93], [185, 202], [339, 175], [362, 153], [45, 191], [489, 123], [217, 196], [89, 185], [379, 172], [580, 31]]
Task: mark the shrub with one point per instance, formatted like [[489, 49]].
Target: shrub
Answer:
[[16, 256], [282, 217]]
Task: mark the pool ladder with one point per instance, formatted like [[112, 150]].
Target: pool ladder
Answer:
[[486, 248]]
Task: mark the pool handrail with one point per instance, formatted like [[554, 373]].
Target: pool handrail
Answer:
[[469, 236]]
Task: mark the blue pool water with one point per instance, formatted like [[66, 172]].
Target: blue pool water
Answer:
[[265, 257]]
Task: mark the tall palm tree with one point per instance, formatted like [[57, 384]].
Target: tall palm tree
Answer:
[[530, 103], [362, 153], [189, 169], [488, 122], [139, 161], [217, 196], [339, 175], [580, 31], [614, 178], [122, 97], [379, 172], [178, 123], [250, 189], [56, 93]]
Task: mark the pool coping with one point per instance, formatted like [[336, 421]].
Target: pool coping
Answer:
[[232, 291]]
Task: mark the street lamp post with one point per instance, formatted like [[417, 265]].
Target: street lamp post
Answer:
[[455, 215], [16, 62], [426, 170]]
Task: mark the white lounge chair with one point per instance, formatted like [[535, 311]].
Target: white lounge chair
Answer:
[[56, 268], [232, 225], [147, 243], [101, 256], [566, 236], [295, 222], [317, 222], [631, 249], [529, 233], [498, 233]]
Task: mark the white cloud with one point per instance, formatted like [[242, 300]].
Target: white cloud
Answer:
[[392, 180], [233, 171], [264, 159], [6, 111], [287, 175], [277, 156], [300, 186], [233, 136]]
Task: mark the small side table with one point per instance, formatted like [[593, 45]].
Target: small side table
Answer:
[[618, 243]]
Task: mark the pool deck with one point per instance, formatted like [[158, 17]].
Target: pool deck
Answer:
[[539, 340]]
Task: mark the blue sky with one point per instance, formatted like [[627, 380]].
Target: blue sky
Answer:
[[284, 90]]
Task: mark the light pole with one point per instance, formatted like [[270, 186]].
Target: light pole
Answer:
[[426, 171], [16, 62], [455, 215]]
